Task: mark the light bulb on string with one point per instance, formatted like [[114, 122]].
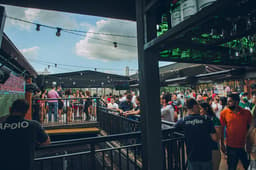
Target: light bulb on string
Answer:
[[38, 27], [115, 44], [58, 32]]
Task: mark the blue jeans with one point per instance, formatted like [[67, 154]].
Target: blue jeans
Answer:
[[53, 108], [234, 154], [207, 165]]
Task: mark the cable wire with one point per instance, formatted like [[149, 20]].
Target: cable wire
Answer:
[[118, 43], [70, 30], [76, 66]]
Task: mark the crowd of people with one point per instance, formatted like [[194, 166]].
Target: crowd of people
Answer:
[[52, 105], [215, 127], [55, 102]]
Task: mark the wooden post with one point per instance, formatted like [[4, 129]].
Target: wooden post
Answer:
[[28, 98], [149, 91]]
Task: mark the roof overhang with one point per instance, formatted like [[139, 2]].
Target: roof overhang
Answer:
[[14, 59], [119, 9]]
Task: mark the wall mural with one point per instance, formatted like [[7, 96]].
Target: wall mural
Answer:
[[14, 84]]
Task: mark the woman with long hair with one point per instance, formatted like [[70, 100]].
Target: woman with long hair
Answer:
[[206, 110]]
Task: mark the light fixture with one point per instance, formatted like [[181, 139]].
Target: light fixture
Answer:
[[115, 44], [38, 27], [251, 50], [237, 54], [58, 32]]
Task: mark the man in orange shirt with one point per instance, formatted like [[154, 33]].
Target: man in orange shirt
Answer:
[[237, 121]]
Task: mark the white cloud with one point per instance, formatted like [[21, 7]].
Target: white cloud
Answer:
[[92, 48], [30, 53], [31, 14], [52, 18], [85, 25]]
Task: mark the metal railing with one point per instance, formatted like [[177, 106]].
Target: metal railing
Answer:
[[113, 123], [121, 149], [90, 153], [108, 152]]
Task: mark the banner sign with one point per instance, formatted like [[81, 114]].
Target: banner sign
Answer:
[[14, 84]]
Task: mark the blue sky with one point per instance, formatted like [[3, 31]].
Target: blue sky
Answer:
[[72, 52]]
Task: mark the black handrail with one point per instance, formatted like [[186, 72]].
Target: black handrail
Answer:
[[129, 155], [97, 139], [125, 149]]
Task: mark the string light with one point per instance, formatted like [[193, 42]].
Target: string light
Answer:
[[58, 32], [100, 39], [77, 32], [71, 30], [115, 44], [38, 27]]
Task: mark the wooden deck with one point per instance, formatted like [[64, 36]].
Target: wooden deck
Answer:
[[84, 124], [72, 131]]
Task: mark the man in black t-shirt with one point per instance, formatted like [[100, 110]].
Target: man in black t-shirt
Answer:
[[198, 131], [19, 137], [126, 105]]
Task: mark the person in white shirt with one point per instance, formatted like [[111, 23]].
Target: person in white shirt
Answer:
[[134, 99], [216, 106], [167, 111], [122, 99], [113, 105]]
